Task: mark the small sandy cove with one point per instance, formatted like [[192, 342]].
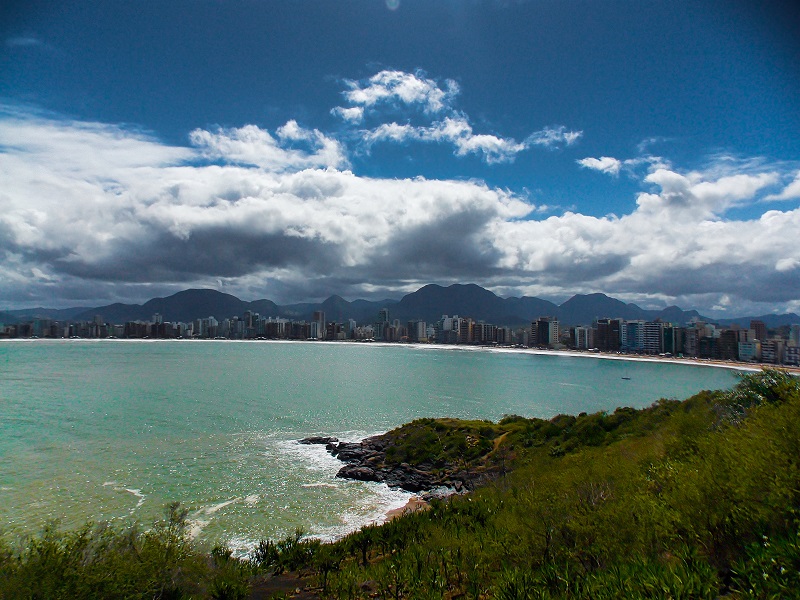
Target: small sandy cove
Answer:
[[414, 504]]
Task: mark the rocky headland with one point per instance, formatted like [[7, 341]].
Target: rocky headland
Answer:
[[366, 461], [387, 458]]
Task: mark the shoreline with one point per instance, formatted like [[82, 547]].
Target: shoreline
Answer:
[[689, 361], [414, 504]]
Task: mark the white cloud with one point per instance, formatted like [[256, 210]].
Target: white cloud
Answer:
[[351, 115], [458, 131], [455, 130], [604, 164], [83, 147], [790, 192], [251, 145], [691, 192], [399, 90], [88, 209], [392, 132], [787, 264], [553, 137], [399, 87]]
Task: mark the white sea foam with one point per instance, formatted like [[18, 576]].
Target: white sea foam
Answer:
[[196, 527], [252, 499], [197, 524], [138, 493], [354, 503], [242, 547], [367, 509], [216, 507]]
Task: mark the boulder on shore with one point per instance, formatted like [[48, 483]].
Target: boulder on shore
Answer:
[[318, 440]]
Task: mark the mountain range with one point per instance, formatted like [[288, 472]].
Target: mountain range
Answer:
[[428, 303]]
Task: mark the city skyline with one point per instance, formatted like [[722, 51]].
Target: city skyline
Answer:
[[696, 339], [293, 151]]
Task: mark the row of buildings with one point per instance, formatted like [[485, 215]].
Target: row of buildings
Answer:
[[696, 339]]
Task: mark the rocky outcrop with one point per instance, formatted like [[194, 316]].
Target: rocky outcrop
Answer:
[[319, 440], [366, 461]]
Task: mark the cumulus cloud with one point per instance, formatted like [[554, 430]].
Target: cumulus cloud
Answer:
[[604, 164], [790, 192], [454, 130], [682, 193], [353, 114], [90, 210], [251, 145], [401, 88]]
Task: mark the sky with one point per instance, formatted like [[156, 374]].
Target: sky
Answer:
[[365, 148]]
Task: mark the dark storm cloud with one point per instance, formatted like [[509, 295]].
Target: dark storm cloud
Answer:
[[457, 245], [209, 252]]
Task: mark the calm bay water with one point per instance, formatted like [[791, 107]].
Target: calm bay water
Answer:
[[114, 430]]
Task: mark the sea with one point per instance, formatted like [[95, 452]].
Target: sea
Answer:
[[115, 430]]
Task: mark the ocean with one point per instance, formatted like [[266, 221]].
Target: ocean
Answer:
[[114, 430]]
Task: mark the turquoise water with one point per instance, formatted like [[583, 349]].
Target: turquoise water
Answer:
[[114, 430]]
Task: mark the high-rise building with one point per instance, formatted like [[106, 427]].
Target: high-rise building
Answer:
[[792, 355], [544, 332], [381, 323], [794, 335], [760, 328], [653, 342], [607, 338], [581, 338], [417, 331], [465, 330], [633, 338], [772, 351], [728, 345], [750, 351], [318, 325]]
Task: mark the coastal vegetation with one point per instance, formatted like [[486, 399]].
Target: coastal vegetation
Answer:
[[685, 499]]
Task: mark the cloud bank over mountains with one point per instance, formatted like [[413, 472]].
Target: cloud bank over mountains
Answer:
[[94, 212]]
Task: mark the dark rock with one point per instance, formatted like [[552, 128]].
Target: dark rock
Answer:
[[366, 461], [359, 473], [318, 440], [346, 447], [350, 455]]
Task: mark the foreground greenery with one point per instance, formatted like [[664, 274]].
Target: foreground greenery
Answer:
[[692, 499]]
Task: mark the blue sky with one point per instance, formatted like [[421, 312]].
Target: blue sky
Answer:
[[292, 150]]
